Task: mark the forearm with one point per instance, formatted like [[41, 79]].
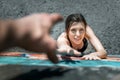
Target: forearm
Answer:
[[102, 54], [6, 34]]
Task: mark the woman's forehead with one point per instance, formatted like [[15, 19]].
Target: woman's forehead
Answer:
[[77, 25]]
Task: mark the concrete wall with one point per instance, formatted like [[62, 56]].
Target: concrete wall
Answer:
[[102, 15]]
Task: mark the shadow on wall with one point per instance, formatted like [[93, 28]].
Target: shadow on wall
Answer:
[[38, 75]]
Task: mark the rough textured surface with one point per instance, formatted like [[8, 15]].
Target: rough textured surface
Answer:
[[102, 15], [57, 73]]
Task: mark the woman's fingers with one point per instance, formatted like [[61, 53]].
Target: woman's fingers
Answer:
[[91, 57], [97, 58], [76, 52], [69, 50]]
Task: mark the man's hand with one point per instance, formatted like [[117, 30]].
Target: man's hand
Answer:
[[32, 33]]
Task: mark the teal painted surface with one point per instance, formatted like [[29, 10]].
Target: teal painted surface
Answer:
[[67, 63]]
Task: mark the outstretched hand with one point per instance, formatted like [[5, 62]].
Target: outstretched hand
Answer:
[[32, 33]]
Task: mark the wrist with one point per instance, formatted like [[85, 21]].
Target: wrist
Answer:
[[99, 54], [6, 34], [95, 54]]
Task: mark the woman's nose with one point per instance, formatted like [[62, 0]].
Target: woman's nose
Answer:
[[77, 33]]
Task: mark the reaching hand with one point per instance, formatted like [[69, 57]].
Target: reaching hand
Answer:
[[32, 33]]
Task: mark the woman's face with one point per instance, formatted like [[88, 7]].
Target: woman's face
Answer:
[[76, 32]]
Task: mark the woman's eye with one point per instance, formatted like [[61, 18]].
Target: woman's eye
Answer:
[[73, 30], [81, 31]]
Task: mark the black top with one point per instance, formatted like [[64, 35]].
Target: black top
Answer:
[[85, 45]]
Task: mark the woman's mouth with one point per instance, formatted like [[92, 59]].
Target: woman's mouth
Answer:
[[77, 39]]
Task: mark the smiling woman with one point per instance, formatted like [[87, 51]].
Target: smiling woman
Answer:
[[76, 36]]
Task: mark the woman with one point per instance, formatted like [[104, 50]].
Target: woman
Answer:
[[76, 36]]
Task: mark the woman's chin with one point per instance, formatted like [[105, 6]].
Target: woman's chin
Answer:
[[77, 42]]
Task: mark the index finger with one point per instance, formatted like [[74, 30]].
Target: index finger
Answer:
[[56, 17]]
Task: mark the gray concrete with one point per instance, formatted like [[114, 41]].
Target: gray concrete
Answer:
[[19, 72], [102, 15]]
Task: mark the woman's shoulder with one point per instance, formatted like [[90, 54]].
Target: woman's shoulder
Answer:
[[88, 32], [63, 35]]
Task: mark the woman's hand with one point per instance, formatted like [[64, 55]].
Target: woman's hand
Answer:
[[64, 49], [91, 57], [69, 51]]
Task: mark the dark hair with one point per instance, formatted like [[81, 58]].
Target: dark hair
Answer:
[[74, 18]]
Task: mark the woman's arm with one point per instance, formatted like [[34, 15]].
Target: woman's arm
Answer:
[[100, 51], [63, 44]]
